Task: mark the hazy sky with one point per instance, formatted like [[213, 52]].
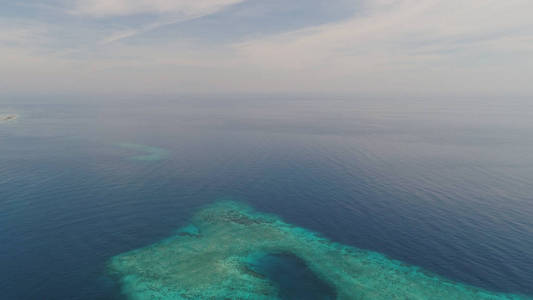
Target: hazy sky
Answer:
[[262, 46]]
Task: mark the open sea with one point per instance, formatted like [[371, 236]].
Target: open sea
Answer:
[[444, 184]]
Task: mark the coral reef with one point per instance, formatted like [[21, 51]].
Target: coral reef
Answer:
[[151, 153], [222, 255]]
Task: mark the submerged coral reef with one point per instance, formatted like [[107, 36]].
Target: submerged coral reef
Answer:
[[151, 153], [219, 256]]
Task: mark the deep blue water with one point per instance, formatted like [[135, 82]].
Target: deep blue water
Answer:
[[292, 277], [445, 184]]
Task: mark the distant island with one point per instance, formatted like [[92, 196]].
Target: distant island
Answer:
[[9, 117]]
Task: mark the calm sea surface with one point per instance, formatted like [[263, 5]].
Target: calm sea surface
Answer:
[[445, 184]]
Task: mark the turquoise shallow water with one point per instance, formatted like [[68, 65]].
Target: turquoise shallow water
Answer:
[[237, 253], [445, 186]]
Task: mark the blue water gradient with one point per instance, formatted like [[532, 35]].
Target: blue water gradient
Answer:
[[445, 185]]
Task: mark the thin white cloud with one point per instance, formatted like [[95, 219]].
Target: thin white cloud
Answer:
[[127, 33], [388, 47], [395, 28], [106, 8], [408, 45], [168, 12], [21, 33]]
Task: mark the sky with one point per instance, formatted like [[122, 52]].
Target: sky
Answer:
[[371, 47]]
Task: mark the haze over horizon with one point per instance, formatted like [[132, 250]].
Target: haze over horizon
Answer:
[[376, 47]]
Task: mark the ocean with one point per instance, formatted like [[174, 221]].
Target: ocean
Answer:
[[442, 184]]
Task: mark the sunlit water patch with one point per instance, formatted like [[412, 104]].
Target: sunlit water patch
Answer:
[[233, 252], [147, 153]]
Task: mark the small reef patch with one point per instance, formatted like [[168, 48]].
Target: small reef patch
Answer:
[[234, 252], [149, 153]]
